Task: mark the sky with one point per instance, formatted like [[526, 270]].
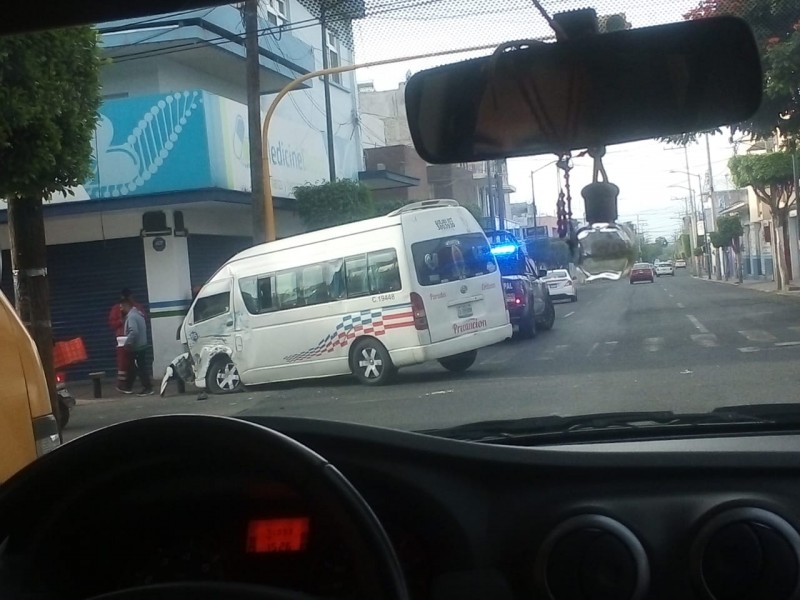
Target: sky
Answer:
[[648, 190]]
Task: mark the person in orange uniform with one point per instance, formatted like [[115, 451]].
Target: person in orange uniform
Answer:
[[116, 321]]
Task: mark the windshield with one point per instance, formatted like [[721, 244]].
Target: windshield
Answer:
[[160, 197]]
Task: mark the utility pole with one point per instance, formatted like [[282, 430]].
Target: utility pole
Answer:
[[31, 287], [533, 202], [490, 193], [693, 215], [326, 86], [253, 81], [501, 197], [713, 208]]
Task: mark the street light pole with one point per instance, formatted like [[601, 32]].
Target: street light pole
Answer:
[[269, 215]]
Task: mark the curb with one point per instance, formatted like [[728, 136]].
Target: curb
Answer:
[[744, 286]]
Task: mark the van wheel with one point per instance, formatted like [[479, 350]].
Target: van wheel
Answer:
[[459, 362], [223, 377], [371, 363], [549, 317]]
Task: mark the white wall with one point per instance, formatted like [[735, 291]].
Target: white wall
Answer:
[[162, 74], [85, 228], [390, 107]]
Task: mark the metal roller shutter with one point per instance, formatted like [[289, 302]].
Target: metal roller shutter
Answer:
[[85, 280], [207, 253]]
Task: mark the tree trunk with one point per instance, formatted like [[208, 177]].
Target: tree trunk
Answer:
[[739, 266], [787, 252], [31, 288], [779, 252]]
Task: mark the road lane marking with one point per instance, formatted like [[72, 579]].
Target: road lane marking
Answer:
[[758, 335], [698, 325], [494, 360], [653, 344], [609, 347], [593, 348], [680, 305], [671, 296], [707, 340], [569, 314], [787, 343], [748, 349]]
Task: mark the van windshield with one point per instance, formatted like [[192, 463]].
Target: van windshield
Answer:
[[446, 259]]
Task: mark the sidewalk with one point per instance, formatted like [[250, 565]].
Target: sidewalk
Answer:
[[753, 284], [83, 391]]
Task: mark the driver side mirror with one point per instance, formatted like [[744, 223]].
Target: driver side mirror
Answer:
[[542, 272]]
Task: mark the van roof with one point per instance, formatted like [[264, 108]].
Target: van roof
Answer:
[[392, 219]]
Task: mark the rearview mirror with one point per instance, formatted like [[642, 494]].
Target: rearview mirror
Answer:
[[598, 90]]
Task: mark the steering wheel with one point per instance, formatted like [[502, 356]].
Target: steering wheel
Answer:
[[140, 448]]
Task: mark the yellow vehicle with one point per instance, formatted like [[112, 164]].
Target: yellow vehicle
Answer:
[[28, 428]]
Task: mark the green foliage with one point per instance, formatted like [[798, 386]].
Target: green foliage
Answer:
[[333, 203], [651, 252], [730, 227], [776, 26], [761, 170], [700, 250], [49, 96]]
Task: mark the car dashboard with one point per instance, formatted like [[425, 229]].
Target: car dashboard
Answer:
[[711, 517]]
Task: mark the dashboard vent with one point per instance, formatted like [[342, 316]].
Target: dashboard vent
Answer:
[[592, 557], [747, 553]]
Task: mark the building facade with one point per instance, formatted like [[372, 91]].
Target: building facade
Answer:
[[169, 197]]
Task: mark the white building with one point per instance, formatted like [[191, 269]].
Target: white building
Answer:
[[169, 199]]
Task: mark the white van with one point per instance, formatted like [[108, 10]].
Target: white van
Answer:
[[365, 298]]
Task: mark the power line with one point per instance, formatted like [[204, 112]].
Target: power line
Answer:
[[273, 30]]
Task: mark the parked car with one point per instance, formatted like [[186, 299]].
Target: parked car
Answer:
[[561, 285], [664, 268], [680, 264], [642, 272], [528, 299]]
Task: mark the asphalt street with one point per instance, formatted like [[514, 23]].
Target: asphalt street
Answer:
[[681, 343]]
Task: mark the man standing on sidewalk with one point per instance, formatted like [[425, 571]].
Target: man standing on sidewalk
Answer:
[[137, 347], [116, 321]]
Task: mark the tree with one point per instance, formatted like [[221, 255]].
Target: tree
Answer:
[[771, 177], [728, 235], [333, 203], [776, 26], [49, 96]]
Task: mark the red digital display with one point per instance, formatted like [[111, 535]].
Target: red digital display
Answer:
[[289, 534]]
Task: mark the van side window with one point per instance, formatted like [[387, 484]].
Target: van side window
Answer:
[[248, 286], [314, 287], [384, 272], [357, 282], [211, 306], [287, 289], [258, 294], [267, 301], [334, 278]]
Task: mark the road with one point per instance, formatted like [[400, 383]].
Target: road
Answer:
[[680, 344]]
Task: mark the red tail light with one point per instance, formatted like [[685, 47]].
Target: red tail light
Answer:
[[60, 378], [418, 308], [518, 299]]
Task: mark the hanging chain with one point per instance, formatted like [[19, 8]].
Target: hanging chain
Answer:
[[564, 203]]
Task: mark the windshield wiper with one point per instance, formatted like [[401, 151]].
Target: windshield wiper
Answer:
[[625, 424]]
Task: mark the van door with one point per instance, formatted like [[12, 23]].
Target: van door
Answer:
[[210, 322]]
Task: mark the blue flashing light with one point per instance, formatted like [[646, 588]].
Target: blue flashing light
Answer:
[[504, 249]]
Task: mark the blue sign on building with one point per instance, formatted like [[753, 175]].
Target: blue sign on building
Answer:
[[150, 144]]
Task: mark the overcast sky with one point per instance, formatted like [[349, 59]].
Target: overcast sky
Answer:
[[641, 170]]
